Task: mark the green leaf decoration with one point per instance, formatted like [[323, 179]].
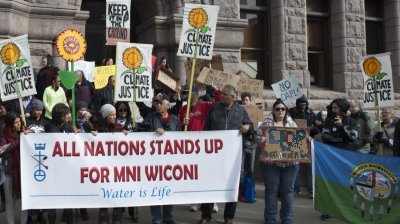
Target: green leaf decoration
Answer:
[[368, 80], [141, 70], [20, 62], [6, 70], [205, 29], [126, 72], [190, 31], [68, 79], [381, 75]]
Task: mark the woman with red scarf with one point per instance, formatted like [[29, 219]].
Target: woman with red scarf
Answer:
[[10, 153]]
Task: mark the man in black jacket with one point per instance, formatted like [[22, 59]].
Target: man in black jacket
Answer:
[[105, 95], [225, 115]]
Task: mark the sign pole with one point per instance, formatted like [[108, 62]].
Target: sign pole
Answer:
[[21, 105], [191, 80], [73, 100]]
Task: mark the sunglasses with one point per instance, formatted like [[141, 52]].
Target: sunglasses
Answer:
[[280, 109], [122, 110]]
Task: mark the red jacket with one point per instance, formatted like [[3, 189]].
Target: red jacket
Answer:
[[197, 117]]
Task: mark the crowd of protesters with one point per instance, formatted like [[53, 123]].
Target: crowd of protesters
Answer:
[[343, 124]]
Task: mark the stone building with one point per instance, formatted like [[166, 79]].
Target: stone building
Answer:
[[319, 42]]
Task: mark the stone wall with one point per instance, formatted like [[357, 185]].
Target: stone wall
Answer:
[[289, 41]]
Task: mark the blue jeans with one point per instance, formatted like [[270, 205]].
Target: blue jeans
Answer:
[[156, 213], [278, 180]]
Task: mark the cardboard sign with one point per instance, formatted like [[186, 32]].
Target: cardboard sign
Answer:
[[198, 31], [256, 115], [377, 69], [286, 144], [134, 73], [168, 78], [138, 169], [86, 66], [16, 68], [217, 79], [101, 75], [254, 86], [118, 21], [214, 63], [301, 123], [287, 90]]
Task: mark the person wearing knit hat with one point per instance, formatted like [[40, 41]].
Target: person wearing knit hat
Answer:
[[36, 123], [36, 105], [106, 110]]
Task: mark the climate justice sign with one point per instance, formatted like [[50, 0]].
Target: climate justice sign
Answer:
[[138, 169]]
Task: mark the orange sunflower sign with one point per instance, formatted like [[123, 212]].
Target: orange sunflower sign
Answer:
[[17, 78], [71, 45], [134, 70], [377, 72], [198, 31]]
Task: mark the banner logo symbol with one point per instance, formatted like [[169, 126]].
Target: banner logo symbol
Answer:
[[40, 157]]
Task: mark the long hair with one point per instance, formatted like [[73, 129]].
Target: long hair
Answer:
[[9, 122], [58, 112], [279, 101]]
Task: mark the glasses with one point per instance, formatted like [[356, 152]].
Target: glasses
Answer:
[[122, 110], [280, 109]]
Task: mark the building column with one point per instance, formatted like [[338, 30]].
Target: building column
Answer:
[[348, 45], [392, 33], [289, 41]]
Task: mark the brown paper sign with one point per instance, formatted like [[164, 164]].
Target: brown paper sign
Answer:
[[286, 144], [217, 79], [254, 86], [301, 123], [169, 79], [256, 115], [215, 63]]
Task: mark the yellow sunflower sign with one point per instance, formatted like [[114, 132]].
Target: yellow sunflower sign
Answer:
[[377, 72], [17, 78], [71, 45], [134, 70], [198, 31]]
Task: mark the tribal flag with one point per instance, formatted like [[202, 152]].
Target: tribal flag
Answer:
[[355, 187]]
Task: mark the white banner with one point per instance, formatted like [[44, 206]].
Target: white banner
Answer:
[[16, 68], [118, 21], [377, 69], [199, 22], [86, 66], [139, 169], [133, 65], [287, 89]]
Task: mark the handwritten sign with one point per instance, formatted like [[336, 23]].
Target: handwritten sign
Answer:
[[101, 75], [286, 144], [118, 21], [214, 63], [287, 90], [16, 68], [138, 169], [217, 79], [254, 86], [168, 78], [198, 31], [377, 69]]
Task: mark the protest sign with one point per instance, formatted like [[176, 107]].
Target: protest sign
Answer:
[[198, 31], [256, 115], [377, 72], [101, 75], [16, 68], [133, 71], [118, 21], [71, 45], [87, 67], [286, 144], [214, 63], [217, 79], [168, 78], [287, 90], [138, 169], [253, 86]]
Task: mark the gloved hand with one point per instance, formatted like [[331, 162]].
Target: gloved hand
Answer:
[[383, 140], [378, 136]]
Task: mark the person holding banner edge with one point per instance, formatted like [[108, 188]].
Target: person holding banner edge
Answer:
[[225, 115], [279, 177]]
